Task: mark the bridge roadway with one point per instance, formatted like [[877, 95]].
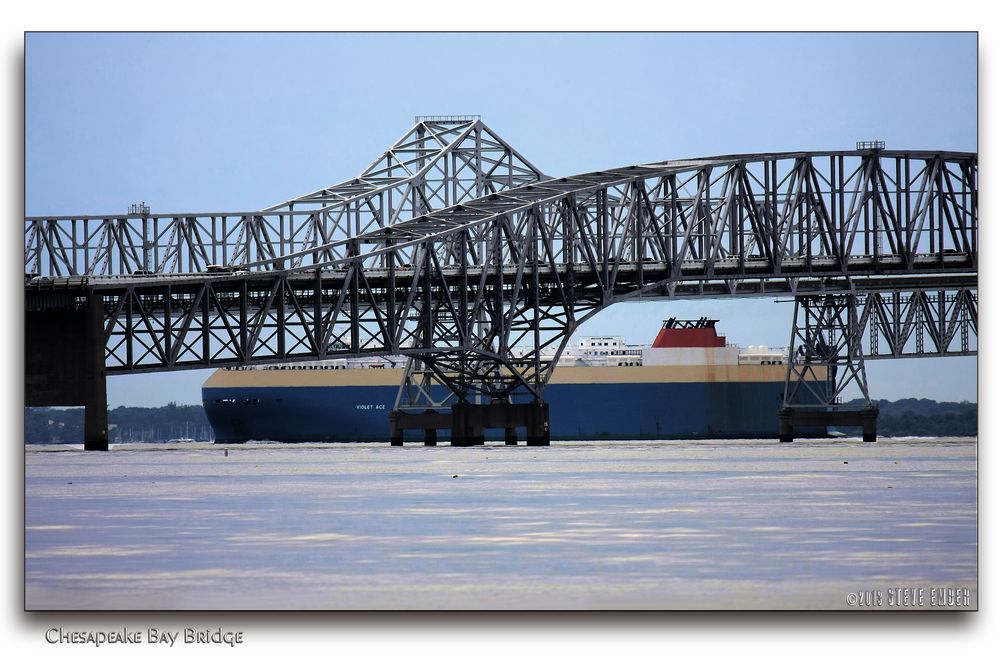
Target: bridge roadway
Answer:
[[325, 317], [698, 277]]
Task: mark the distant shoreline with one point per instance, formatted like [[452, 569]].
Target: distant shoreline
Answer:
[[918, 418]]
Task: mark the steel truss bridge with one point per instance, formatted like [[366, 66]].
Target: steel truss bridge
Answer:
[[453, 249]]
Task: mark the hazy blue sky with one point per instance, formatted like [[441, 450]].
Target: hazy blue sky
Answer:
[[241, 121]]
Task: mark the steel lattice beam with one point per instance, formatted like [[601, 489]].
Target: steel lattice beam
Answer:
[[834, 334], [920, 323], [825, 352]]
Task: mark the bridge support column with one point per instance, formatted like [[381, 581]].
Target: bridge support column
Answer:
[[510, 436], [785, 431], [869, 424], [461, 431], [471, 425], [95, 414], [431, 421], [395, 429], [95, 384], [538, 425], [468, 423]]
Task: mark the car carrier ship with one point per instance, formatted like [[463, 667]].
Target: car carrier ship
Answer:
[[688, 384]]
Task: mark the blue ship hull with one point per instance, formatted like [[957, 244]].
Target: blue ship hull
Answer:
[[671, 410]]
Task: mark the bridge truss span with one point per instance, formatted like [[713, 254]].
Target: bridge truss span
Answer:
[[437, 163], [453, 249], [777, 213]]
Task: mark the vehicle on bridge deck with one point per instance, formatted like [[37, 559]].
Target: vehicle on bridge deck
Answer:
[[688, 384]]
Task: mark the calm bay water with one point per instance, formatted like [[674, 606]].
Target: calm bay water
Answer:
[[630, 525]]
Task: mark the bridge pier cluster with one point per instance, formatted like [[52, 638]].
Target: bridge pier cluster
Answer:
[[468, 422], [789, 418]]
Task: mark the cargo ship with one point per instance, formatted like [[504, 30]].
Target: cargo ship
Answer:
[[689, 383]]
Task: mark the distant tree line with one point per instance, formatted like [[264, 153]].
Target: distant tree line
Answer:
[[906, 417], [922, 417], [125, 425]]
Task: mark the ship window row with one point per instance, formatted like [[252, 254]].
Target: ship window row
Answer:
[[337, 366], [232, 401], [629, 363], [294, 367]]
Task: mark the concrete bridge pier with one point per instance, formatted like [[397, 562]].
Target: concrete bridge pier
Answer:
[[469, 422], [95, 413], [395, 429], [64, 359], [538, 425], [789, 418], [465, 418], [95, 393], [429, 421]]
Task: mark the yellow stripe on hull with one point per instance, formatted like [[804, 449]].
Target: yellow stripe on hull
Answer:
[[378, 377], [344, 377]]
